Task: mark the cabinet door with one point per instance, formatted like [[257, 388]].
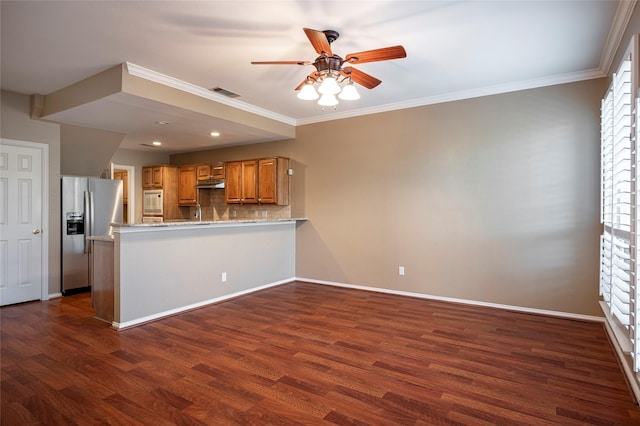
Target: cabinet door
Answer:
[[218, 171], [123, 175], [233, 182], [267, 168], [125, 187], [204, 172], [250, 182], [187, 180], [147, 177], [157, 177]]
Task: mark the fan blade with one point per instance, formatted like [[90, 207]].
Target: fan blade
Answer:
[[281, 63], [384, 54], [362, 78], [319, 41], [313, 76]]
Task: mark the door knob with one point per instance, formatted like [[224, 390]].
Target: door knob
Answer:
[[36, 231]]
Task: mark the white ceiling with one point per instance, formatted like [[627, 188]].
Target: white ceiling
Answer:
[[455, 50]]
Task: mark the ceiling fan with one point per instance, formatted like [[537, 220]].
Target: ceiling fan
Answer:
[[329, 66]]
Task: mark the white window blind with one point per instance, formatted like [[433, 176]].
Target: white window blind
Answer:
[[606, 191], [618, 210]]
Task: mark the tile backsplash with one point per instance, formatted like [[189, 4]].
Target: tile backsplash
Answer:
[[214, 208]]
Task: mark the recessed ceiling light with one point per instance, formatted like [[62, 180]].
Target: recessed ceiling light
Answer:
[[156, 143], [162, 122], [215, 134]]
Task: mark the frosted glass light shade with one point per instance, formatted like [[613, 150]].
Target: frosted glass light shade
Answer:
[[349, 93], [329, 86], [308, 93], [328, 100]]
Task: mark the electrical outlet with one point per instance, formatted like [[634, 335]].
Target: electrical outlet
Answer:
[[264, 213], [400, 270], [257, 213], [234, 213], [290, 172], [224, 277]]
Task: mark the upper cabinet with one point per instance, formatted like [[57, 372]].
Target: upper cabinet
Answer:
[[123, 175], [263, 181], [273, 181], [165, 178], [152, 176], [241, 182], [203, 172], [210, 171], [187, 180], [217, 170]]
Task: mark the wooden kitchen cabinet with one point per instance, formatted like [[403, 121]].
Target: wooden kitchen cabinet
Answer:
[[210, 171], [203, 172], [152, 177], [187, 180], [217, 170], [123, 175], [250, 182], [164, 177], [102, 258], [241, 182], [263, 181], [273, 181], [233, 183]]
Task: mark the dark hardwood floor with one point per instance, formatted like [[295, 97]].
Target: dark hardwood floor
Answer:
[[309, 354]]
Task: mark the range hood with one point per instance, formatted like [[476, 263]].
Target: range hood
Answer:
[[211, 184]]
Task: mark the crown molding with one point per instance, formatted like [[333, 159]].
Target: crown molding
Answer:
[[147, 74], [457, 96], [616, 32]]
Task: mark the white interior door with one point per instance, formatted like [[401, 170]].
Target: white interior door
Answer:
[[21, 242]]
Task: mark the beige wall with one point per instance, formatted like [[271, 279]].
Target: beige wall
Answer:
[[492, 199], [15, 123], [85, 151]]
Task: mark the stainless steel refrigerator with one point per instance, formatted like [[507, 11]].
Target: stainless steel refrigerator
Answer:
[[89, 206]]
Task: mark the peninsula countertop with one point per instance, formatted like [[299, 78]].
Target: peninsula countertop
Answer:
[[181, 224]]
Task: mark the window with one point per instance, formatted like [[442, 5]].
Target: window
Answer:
[[619, 209]]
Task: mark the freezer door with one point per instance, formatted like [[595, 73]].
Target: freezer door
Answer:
[[105, 206], [75, 262]]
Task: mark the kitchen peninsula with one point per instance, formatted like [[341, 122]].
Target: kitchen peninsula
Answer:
[[161, 269]]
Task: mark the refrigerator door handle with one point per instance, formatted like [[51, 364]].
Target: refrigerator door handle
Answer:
[[88, 220]]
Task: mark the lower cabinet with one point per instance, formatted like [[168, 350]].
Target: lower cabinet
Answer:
[[102, 279]]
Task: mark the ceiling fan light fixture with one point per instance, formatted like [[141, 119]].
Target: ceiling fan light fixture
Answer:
[[328, 99], [308, 92], [329, 68], [329, 86], [349, 93]]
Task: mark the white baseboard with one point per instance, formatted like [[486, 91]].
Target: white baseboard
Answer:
[[54, 295], [632, 379], [560, 314], [127, 324]]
